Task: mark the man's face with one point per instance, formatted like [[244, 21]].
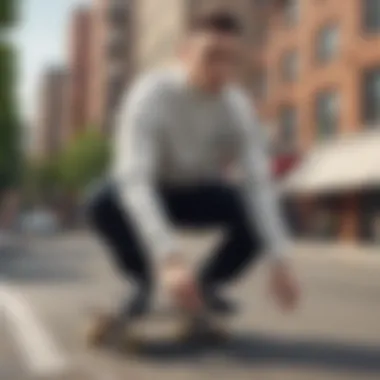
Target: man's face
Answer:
[[214, 58]]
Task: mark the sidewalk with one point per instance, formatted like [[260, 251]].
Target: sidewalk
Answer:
[[338, 247], [342, 252]]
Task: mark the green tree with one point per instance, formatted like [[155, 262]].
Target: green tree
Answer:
[[7, 12], [41, 181], [10, 153], [83, 161], [10, 132], [10, 137]]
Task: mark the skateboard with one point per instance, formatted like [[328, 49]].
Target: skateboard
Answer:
[[158, 327]]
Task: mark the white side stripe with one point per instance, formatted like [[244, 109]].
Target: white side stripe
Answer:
[[41, 354]]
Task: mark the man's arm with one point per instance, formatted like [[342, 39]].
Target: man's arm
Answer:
[[135, 166], [259, 189], [261, 197]]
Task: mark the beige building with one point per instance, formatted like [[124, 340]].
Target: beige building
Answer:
[[160, 26]]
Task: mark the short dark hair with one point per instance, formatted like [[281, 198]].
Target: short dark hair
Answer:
[[217, 21]]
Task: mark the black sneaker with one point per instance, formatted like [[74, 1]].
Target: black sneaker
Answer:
[[218, 304], [137, 305]]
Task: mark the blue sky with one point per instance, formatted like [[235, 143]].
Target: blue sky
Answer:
[[41, 37]]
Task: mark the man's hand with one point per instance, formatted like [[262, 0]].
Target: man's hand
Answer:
[[180, 283], [284, 285]]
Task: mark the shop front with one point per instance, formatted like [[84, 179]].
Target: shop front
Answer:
[[339, 181], [369, 215]]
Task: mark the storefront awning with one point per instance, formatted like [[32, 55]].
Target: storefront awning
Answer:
[[348, 163]]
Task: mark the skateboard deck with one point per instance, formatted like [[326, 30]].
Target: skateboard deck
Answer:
[[160, 326]]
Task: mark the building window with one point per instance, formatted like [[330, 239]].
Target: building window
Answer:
[[291, 12], [259, 32], [327, 114], [371, 96], [371, 15], [118, 13], [287, 129], [260, 85], [117, 49], [115, 91], [289, 66], [327, 43], [116, 70]]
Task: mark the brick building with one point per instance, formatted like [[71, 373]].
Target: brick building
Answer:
[[111, 60], [321, 62], [317, 61], [51, 115], [80, 37]]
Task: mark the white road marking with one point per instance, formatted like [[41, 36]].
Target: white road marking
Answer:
[[41, 354]]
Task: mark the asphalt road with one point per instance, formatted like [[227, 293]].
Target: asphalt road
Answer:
[[47, 287]]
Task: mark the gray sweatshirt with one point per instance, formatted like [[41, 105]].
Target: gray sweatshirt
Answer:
[[168, 131]]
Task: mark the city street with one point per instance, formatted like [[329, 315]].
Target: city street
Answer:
[[47, 287]]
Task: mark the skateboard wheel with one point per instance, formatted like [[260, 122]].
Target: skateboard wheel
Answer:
[[132, 346], [97, 332]]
